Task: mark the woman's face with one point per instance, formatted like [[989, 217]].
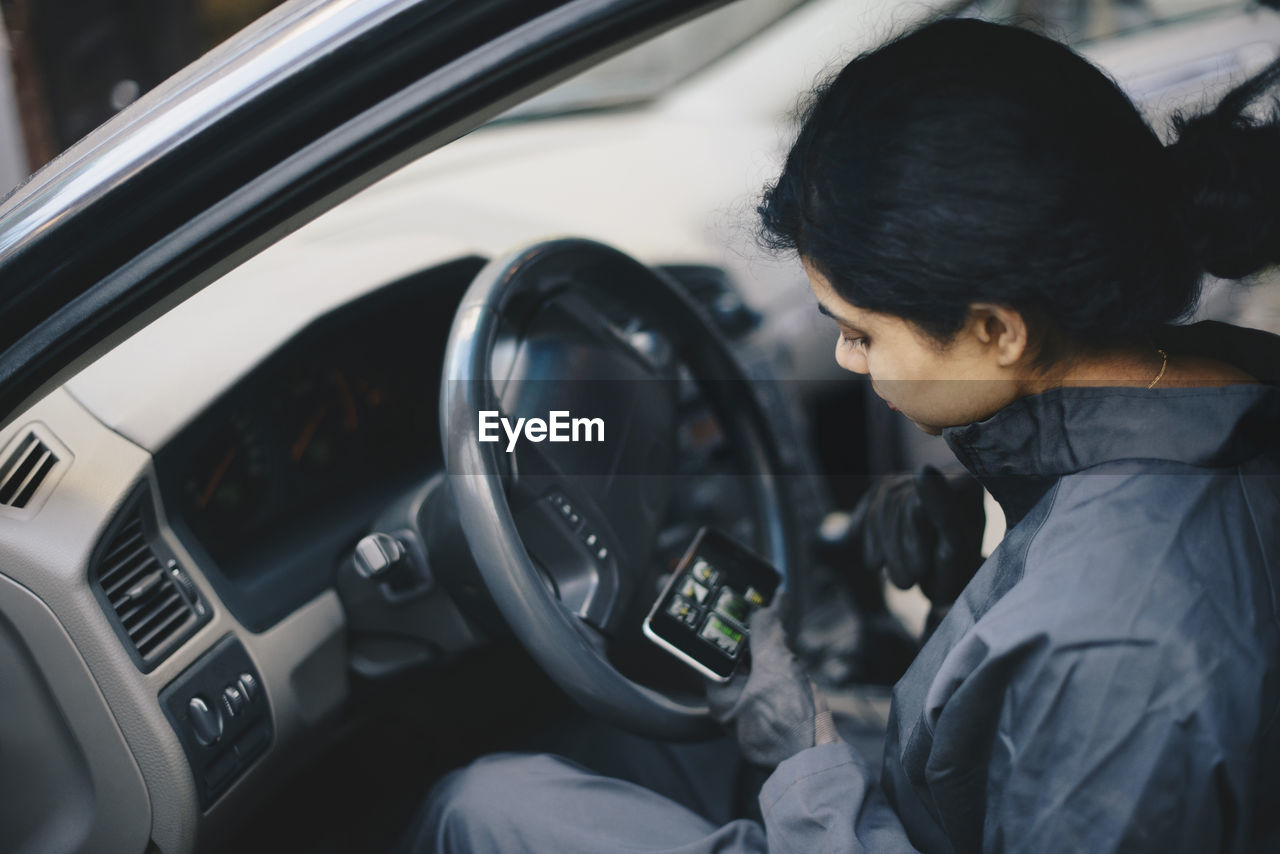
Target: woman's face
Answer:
[[932, 384]]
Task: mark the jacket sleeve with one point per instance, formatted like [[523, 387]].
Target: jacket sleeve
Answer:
[[824, 800], [1108, 747], [1104, 747]]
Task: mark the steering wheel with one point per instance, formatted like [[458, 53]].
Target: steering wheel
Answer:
[[563, 533]]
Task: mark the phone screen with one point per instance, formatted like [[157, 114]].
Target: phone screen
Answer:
[[701, 617]]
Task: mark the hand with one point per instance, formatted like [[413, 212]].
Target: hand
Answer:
[[773, 707], [922, 529]]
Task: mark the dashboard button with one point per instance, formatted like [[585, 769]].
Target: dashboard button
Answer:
[[206, 721], [232, 701], [248, 686]]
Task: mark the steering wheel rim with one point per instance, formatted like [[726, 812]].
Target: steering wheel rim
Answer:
[[569, 651]]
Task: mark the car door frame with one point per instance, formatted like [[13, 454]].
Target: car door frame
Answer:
[[302, 110]]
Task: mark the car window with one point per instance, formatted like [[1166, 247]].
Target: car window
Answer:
[[1076, 21], [651, 68]]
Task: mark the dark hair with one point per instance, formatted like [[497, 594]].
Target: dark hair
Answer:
[[968, 161]]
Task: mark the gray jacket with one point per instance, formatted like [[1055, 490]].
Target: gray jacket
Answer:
[[1110, 678]]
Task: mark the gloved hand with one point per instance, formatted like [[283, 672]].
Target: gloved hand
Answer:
[[773, 707], [923, 528]]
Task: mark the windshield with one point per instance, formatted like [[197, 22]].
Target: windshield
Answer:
[[1075, 21], [648, 70]]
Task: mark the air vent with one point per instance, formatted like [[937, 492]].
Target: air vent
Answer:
[[24, 469], [153, 601]]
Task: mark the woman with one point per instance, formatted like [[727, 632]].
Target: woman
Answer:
[[1003, 243]]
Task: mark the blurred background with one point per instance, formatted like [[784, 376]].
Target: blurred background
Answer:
[[69, 65], [72, 64]]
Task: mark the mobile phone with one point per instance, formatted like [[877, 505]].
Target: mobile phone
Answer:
[[701, 616]]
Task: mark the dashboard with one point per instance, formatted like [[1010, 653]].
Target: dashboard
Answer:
[[289, 442], [275, 482]]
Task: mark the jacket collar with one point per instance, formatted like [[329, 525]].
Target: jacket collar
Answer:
[[1019, 452]]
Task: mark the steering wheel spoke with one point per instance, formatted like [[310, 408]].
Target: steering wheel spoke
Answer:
[[566, 535]]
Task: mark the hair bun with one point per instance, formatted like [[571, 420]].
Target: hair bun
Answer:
[[1228, 162]]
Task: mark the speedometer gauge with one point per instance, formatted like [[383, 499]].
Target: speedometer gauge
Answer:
[[229, 484], [325, 421]]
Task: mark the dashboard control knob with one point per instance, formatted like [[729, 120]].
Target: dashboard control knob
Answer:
[[248, 686], [187, 586], [232, 700], [376, 554], [206, 721]]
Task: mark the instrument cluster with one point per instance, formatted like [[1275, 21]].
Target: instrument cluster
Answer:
[[326, 427], [272, 485]]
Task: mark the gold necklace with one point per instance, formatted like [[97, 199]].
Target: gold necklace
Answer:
[[1163, 364]]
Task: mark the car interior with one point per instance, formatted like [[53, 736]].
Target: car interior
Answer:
[[260, 582]]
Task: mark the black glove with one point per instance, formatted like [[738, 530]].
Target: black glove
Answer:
[[773, 707], [923, 528]]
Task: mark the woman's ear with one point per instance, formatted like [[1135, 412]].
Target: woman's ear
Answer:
[[1001, 330]]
